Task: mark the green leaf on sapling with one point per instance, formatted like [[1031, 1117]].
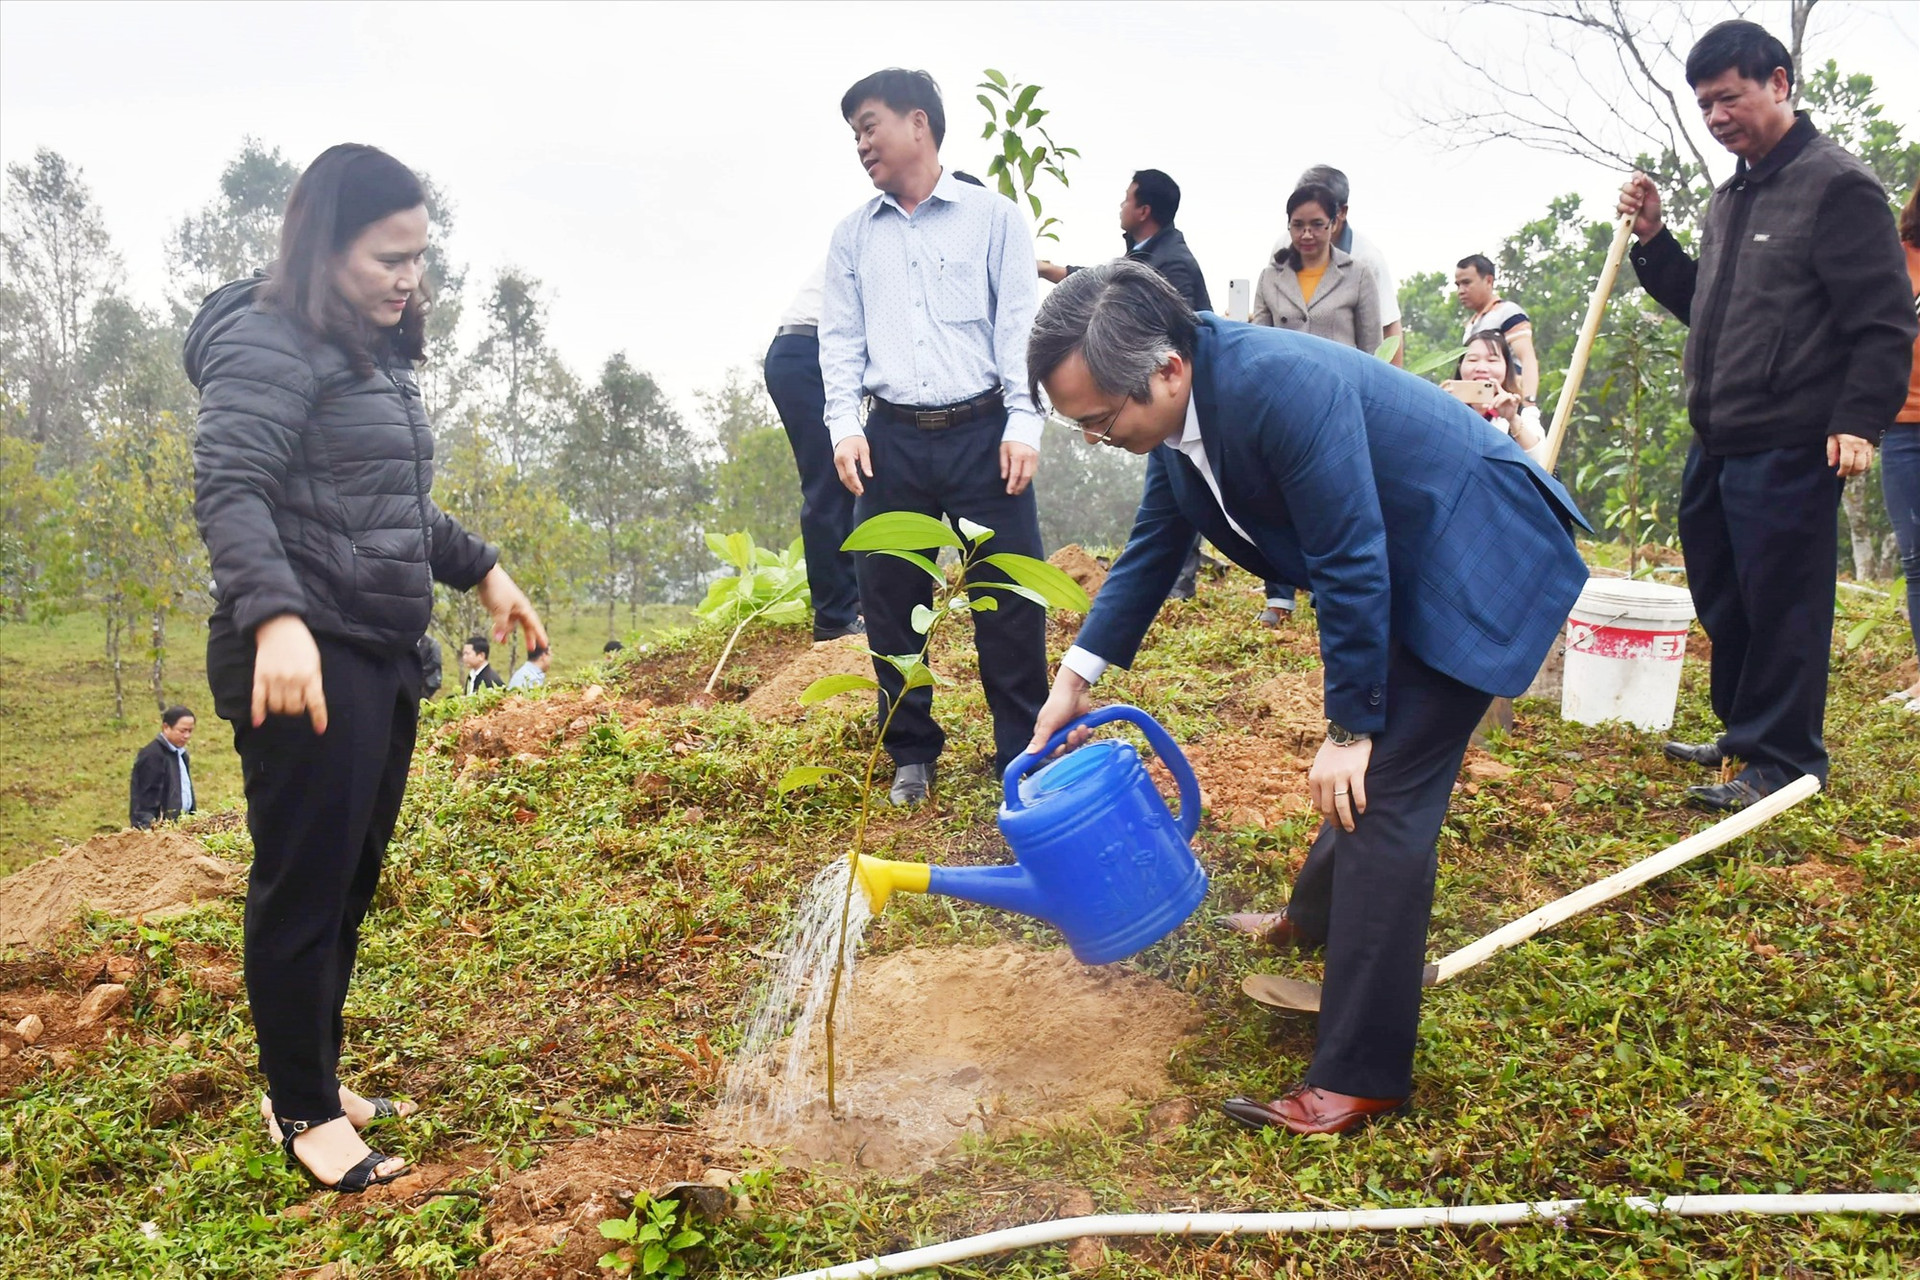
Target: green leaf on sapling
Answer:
[[900, 531], [832, 686]]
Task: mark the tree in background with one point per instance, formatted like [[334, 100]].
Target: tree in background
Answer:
[[1429, 314], [132, 550], [131, 364], [516, 373], [756, 488], [521, 512], [235, 234], [628, 466], [1087, 494], [1600, 80], [60, 263], [31, 513]]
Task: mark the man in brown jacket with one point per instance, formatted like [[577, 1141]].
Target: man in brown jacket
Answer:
[[1801, 339]]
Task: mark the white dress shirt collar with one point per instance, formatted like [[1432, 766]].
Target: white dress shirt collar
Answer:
[[944, 188], [1085, 663], [1191, 444]]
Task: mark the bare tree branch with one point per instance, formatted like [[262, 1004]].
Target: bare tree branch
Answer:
[[1592, 79]]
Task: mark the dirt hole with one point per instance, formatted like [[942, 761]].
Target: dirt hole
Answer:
[[952, 1041]]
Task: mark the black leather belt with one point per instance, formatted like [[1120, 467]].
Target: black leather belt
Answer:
[[797, 331], [943, 416]]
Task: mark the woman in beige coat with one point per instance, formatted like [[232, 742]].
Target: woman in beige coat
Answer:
[[1312, 286], [1318, 289]]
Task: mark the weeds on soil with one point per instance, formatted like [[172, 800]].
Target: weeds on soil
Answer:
[[554, 924]]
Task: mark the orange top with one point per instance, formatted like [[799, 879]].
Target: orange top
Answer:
[[1310, 277], [1911, 411]]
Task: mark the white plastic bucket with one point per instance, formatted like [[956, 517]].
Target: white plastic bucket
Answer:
[[1626, 641]]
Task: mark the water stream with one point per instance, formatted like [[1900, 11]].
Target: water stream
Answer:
[[769, 1083]]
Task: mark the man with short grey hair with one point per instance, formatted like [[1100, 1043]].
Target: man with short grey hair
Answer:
[[1442, 568]]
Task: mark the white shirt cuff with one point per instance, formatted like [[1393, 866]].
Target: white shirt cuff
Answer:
[[1022, 428], [843, 429], [1086, 664]]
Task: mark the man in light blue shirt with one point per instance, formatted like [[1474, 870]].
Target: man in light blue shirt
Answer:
[[930, 293], [533, 672]]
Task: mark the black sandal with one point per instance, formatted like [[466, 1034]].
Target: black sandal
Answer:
[[354, 1180], [384, 1109]]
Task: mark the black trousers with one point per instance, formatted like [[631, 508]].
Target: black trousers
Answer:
[[826, 505], [321, 808], [1759, 532], [953, 474], [1368, 892]]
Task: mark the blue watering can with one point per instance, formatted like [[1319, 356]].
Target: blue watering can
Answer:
[[1097, 854]]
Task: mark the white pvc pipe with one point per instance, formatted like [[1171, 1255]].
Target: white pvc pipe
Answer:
[[1233, 1224], [1542, 918]]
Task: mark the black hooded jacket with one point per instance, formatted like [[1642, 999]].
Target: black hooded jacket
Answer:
[[311, 482]]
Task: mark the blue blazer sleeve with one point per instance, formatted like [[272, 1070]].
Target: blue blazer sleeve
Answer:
[[1144, 573], [1312, 434]]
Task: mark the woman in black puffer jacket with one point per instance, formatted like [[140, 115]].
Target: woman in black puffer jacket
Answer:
[[312, 470]]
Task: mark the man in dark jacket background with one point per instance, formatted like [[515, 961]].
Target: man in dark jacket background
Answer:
[[1146, 221], [1801, 338], [475, 656], [161, 788]]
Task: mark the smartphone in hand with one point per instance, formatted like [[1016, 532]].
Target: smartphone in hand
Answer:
[[1478, 392]]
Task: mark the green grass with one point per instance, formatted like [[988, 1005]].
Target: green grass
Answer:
[[537, 942], [64, 760]]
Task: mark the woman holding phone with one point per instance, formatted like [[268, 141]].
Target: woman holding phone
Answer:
[[312, 469], [1488, 360]]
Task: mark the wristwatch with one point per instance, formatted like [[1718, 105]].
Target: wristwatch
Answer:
[[1340, 737]]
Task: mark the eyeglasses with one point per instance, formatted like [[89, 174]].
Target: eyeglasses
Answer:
[[1088, 427], [1319, 226]]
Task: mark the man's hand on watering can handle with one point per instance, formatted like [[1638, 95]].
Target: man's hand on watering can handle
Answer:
[[1338, 781], [1068, 702]]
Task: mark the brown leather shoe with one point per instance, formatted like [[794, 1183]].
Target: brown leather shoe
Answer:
[[1272, 928], [1306, 1110]]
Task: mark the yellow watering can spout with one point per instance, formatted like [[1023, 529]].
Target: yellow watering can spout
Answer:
[[881, 879]]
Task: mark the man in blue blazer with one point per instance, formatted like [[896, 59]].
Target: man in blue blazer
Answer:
[[1442, 566]]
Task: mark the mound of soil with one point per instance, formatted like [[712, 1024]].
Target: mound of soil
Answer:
[[1253, 782], [778, 697], [543, 1222], [150, 874], [949, 1041], [679, 674], [1292, 703], [1074, 561], [537, 726]]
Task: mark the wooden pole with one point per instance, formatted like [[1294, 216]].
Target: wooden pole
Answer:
[[1596, 310]]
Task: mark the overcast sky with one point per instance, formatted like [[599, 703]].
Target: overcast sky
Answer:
[[672, 171]]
